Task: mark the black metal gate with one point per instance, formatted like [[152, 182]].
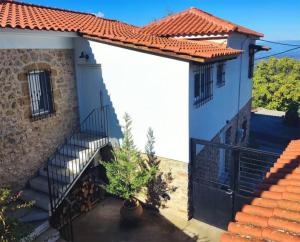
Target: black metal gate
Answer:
[[222, 179]]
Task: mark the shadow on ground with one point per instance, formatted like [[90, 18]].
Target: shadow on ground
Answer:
[[269, 132], [102, 224]]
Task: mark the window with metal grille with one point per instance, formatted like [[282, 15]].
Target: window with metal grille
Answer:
[[221, 74], [203, 85], [41, 95]]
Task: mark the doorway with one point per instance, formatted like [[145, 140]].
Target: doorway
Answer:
[[89, 89]]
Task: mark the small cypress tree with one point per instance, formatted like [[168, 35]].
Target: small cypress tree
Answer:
[[159, 187], [126, 174]]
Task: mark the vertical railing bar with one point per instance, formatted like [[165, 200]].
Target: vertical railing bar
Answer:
[[36, 92], [46, 98], [49, 187]]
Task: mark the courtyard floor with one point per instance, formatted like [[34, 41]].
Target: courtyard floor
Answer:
[[102, 224], [269, 132]]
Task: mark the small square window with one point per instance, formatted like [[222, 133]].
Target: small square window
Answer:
[[41, 95], [221, 74]]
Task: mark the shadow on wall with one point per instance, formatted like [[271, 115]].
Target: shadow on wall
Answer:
[[95, 94]]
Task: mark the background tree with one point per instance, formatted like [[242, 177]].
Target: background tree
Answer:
[[277, 84]]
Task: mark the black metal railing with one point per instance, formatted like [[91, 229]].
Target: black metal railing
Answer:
[[71, 159], [224, 165], [222, 178], [64, 220]]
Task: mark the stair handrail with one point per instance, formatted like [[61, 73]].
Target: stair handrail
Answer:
[[54, 202], [74, 130]]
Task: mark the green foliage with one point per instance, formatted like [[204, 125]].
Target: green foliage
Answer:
[[10, 228], [126, 174], [159, 187], [276, 83]]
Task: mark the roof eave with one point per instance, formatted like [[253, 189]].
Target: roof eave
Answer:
[[221, 58], [159, 52], [253, 34]]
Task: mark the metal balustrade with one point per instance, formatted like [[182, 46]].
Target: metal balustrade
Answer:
[[223, 178], [71, 159]]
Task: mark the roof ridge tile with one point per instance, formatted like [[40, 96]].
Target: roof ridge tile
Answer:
[[168, 27]]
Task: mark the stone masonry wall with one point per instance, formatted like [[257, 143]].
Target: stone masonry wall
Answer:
[[178, 204], [26, 144]]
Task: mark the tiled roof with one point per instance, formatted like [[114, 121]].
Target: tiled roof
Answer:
[[194, 21], [28, 16], [274, 214]]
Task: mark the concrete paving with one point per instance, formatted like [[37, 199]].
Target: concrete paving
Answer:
[[269, 131], [102, 224]]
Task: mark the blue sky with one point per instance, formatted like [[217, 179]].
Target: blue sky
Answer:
[[279, 20]]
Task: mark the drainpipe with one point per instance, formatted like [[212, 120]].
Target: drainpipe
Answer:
[[239, 92]]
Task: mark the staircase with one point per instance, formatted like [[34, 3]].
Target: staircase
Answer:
[[54, 181]]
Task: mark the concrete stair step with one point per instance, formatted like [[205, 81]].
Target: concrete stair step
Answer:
[[64, 161], [40, 200], [34, 214], [62, 175], [40, 183], [86, 140], [76, 151], [50, 235], [39, 229]]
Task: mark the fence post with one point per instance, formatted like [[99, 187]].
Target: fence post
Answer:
[[50, 189], [190, 176], [235, 167]]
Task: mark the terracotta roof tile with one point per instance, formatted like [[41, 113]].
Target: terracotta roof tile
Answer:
[[28, 16], [275, 213], [194, 21]]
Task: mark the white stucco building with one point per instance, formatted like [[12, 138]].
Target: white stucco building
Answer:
[[187, 82]]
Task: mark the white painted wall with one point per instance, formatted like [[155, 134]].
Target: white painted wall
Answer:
[[152, 89], [33, 39], [156, 91], [206, 121], [241, 41]]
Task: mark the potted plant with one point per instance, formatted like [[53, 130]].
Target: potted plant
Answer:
[[127, 175]]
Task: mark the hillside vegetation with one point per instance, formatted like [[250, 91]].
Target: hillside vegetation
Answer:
[[277, 84]]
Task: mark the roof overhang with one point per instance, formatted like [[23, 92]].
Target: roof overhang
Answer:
[[257, 48], [42, 33], [159, 52]]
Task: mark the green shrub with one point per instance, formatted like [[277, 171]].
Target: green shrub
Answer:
[[11, 230]]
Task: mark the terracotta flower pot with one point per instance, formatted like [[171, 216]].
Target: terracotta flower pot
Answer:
[[131, 211]]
